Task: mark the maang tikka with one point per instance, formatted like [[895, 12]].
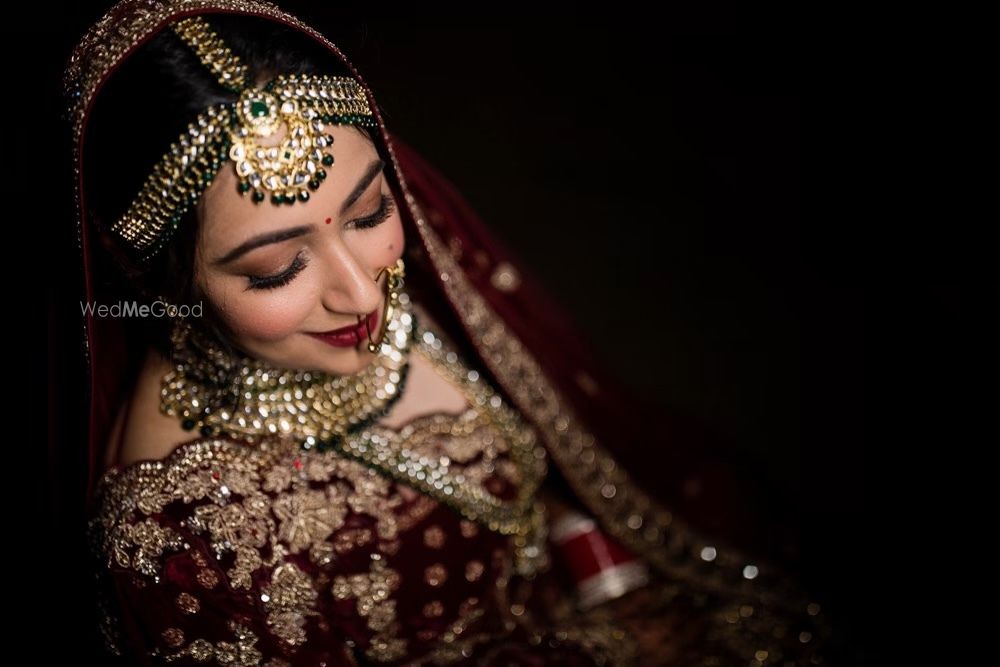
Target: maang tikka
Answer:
[[280, 168]]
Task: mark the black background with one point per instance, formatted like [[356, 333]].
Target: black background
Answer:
[[657, 173]]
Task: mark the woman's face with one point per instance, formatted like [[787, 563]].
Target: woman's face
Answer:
[[276, 275]]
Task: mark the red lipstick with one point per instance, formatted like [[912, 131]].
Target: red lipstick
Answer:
[[352, 335]]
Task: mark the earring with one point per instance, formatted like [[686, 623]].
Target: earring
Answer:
[[203, 365], [393, 285]]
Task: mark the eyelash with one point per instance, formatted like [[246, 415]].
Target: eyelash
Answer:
[[281, 279], [385, 209]]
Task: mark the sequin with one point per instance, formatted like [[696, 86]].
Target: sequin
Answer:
[[435, 575]]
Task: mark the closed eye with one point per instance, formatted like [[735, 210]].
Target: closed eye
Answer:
[[386, 206], [281, 278]]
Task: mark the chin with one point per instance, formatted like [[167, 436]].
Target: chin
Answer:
[[349, 362]]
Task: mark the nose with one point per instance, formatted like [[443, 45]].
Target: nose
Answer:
[[350, 287]]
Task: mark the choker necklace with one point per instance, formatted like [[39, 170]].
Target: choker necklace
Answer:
[[218, 392]]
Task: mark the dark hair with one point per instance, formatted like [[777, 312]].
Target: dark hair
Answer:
[[143, 108]]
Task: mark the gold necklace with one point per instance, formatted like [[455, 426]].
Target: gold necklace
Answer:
[[221, 393]]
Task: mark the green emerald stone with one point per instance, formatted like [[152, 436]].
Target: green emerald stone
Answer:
[[304, 195], [258, 109], [328, 159], [258, 196]]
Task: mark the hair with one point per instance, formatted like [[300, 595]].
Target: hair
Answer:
[[142, 109]]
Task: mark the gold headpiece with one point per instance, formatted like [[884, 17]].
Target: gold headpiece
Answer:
[[283, 169]]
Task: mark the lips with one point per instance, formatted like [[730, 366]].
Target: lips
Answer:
[[349, 336]]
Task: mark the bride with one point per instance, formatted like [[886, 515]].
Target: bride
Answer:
[[357, 434]]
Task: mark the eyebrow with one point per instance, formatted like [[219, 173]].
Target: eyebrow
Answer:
[[366, 179], [294, 232], [262, 240]]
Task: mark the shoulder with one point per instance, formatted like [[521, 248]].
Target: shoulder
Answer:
[[185, 542], [141, 432]]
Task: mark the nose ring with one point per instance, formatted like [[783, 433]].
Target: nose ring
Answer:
[[393, 284]]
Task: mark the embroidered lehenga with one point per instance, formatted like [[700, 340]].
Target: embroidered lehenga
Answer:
[[428, 542]]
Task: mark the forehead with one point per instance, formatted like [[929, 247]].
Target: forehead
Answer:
[[229, 216]]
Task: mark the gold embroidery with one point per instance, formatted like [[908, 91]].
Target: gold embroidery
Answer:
[[473, 570], [308, 516], [109, 623], [418, 509], [435, 575], [289, 599], [173, 637], [241, 653], [433, 609], [350, 539], [467, 606], [217, 479], [278, 478], [207, 578], [373, 591], [386, 649], [434, 537], [435, 477], [605, 643], [451, 648], [468, 529], [188, 603], [258, 529], [242, 528], [151, 541]]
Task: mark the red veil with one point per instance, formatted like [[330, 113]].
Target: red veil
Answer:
[[594, 430]]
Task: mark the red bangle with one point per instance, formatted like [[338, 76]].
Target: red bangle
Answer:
[[602, 569]]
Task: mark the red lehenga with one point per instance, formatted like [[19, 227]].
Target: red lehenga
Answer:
[[224, 553]]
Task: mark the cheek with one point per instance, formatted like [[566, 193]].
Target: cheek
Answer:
[[378, 247], [392, 242], [267, 316]]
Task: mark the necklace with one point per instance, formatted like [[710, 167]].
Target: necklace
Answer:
[[219, 392]]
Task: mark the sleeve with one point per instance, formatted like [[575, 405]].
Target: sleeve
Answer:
[[169, 598]]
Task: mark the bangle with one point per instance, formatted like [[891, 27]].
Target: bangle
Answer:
[[602, 569]]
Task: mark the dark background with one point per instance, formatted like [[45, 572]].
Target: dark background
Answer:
[[650, 170]]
